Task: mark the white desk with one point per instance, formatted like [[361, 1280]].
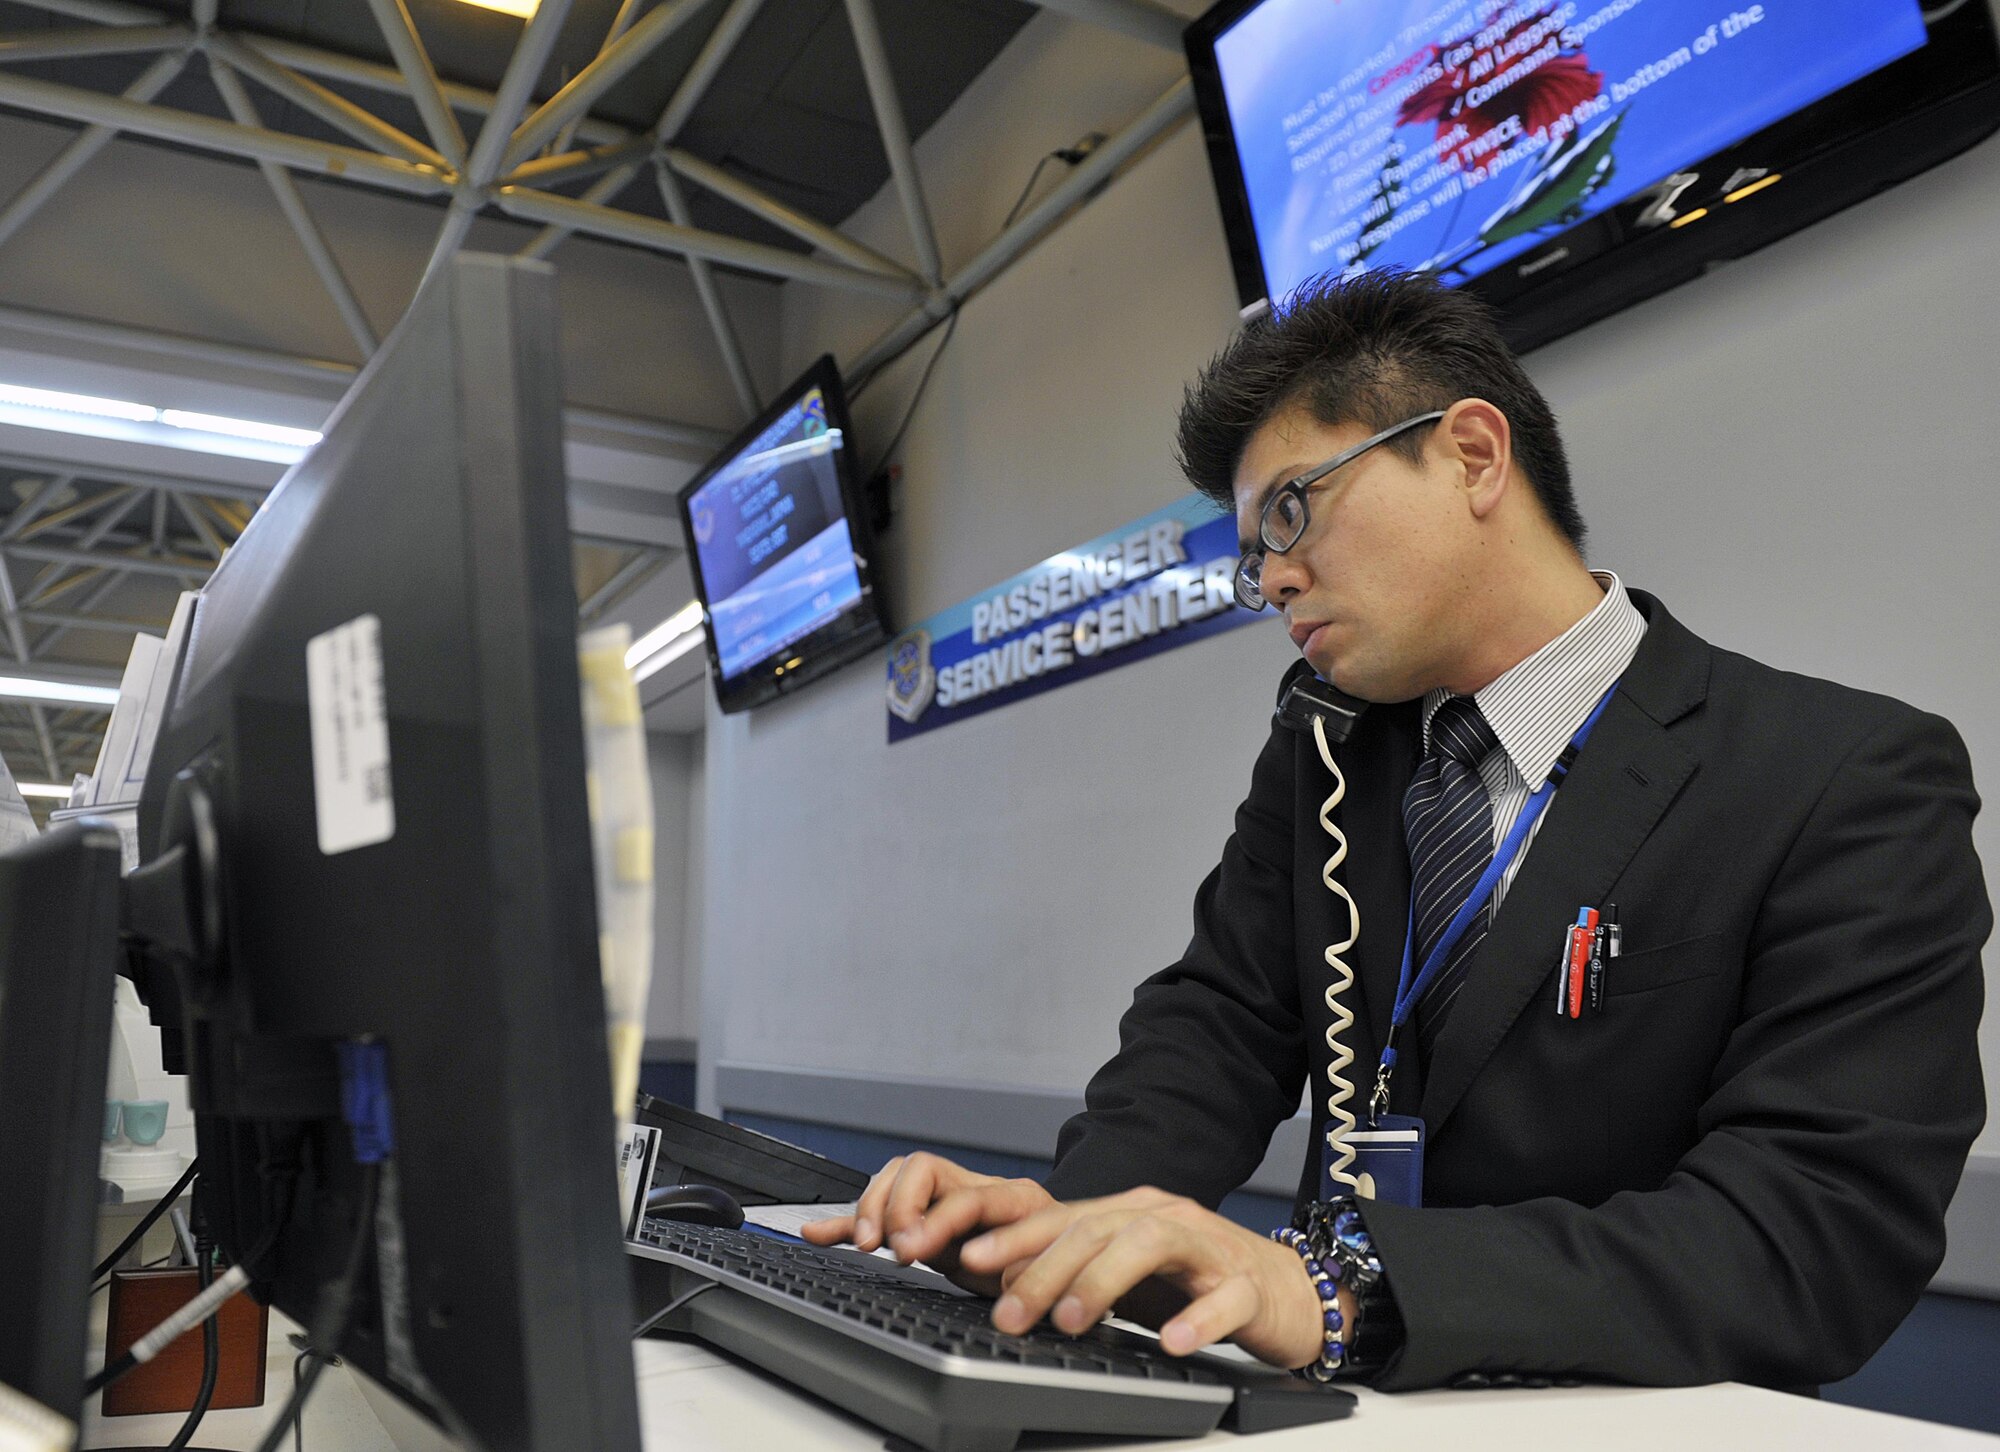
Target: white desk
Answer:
[[692, 1399]]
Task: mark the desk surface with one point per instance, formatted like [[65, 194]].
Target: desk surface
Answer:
[[693, 1400]]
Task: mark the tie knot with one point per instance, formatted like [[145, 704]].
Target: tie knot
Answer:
[[1459, 731]]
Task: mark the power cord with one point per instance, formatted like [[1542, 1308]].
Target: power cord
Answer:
[[211, 1353], [672, 1306], [146, 1222], [336, 1310], [1074, 155]]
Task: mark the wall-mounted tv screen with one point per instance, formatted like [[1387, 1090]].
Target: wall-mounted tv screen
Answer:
[[1566, 158], [781, 548]]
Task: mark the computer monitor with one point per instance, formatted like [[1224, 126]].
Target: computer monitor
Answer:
[[365, 823], [58, 960]]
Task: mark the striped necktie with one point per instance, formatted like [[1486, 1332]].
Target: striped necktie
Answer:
[[1448, 822]]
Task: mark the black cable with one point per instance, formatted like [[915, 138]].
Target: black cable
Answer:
[[211, 1357], [146, 1222], [1069, 154], [336, 1308], [298, 1373]]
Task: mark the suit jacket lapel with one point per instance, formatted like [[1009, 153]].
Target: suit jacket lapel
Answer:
[[1622, 783]]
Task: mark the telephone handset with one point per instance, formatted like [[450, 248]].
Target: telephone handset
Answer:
[[1308, 704]]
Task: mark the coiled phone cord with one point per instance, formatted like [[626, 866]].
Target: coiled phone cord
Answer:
[[1343, 1121]]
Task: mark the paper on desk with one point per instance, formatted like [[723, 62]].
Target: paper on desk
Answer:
[[787, 1219]]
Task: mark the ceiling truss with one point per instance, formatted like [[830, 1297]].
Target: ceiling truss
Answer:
[[85, 537]]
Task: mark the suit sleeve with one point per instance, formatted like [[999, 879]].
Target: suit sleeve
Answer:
[[1211, 1053], [1809, 1215]]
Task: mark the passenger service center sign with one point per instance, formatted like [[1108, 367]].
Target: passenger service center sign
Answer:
[[1160, 582]]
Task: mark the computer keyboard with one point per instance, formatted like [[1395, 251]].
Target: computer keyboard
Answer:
[[906, 1350]]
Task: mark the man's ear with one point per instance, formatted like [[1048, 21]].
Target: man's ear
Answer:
[[1479, 447]]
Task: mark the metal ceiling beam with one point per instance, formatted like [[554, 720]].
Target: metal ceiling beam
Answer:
[[612, 65], [314, 99], [1144, 20], [690, 242], [171, 566], [49, 581], [628, 577], [420, 79], [72, 158], [601, 193], [107, 624], [687, 95], [31, 508], [91, 40], [628, 11], [524, 67], [710, 177], [895, 136], [76, 104], [139, 479], [101, 12], [334, 376], [286, 193], [711, 298], [204, 531], [1172, 107], [548, 171], [108, 582], [332, 66], [66, 515]]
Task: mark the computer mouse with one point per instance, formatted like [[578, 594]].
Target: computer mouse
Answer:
[[695, 1205]]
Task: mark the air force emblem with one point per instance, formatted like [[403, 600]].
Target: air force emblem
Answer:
[[912, 682]]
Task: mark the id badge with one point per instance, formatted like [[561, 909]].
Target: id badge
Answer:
[[1388, 1161]]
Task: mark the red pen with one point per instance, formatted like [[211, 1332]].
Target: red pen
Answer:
[[1581, 937]]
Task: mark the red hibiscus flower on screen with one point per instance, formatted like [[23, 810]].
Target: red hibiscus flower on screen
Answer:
[[1549, 82]]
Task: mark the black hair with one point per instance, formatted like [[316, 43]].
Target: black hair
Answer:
[[1373, 349]]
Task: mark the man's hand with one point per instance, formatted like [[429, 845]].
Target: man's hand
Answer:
[[922, 1206], [1159, 1259], [1156, 1258]]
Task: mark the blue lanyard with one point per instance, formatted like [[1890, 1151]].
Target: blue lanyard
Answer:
[[1408, 992]]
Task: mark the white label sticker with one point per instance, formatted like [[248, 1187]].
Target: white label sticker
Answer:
[[350, 737]]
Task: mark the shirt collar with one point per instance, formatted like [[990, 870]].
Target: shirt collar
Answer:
[[1537, 706]]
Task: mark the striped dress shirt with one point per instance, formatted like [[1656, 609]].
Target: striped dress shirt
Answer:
[[1536, 707]]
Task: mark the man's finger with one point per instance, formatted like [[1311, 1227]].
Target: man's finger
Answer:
[[999, 1202], [915, 1187], [1144, 1246], [1211, 1318], [1023, 1239], [831, 1231], [1064, 1254], [868, 1209]]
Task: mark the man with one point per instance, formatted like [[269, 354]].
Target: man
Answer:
[[1737, 1165]]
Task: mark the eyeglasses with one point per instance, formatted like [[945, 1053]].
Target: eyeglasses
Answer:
[[1284, 518]]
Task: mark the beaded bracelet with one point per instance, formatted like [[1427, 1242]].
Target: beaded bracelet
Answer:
[[1333, 1351]]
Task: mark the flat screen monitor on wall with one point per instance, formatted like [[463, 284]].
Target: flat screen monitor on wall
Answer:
[[782, 552], [1567, 158]]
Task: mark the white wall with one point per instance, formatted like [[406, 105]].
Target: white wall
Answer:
[[1784, 452]]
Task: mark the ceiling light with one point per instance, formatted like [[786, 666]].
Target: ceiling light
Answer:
[[25, 688], [42, 789], [115, 418], [666, 642], [660, 660], [239, 428], [78, 403], [522, 8], [687, 618]]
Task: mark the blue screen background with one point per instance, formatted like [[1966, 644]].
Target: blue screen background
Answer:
[[771, 534], [1312, 62]]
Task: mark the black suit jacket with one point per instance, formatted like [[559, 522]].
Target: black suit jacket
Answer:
[[1739, 1169]]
